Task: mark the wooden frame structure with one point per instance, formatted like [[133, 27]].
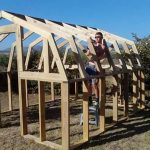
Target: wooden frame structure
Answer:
[[72, 38]]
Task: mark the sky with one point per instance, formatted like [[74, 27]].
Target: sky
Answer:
[[120, 17]]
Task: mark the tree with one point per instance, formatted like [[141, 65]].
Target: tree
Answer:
[[143, 46]]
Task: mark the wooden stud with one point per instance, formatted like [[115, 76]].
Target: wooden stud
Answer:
[[135, 92], [65, 116], [85, 112], [27, 100], [42, 110], [46, 56], [115, 98], [102, 96], [11, 57], [142, 90], [22, 107], [9, 91], [52, 91], [21, 83], [126, 93]]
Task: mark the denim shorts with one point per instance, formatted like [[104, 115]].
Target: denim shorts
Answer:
[[91, 71]]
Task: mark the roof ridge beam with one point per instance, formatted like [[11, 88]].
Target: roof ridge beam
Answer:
[[25, 24]]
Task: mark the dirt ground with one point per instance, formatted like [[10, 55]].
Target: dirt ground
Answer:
[[132, 134]]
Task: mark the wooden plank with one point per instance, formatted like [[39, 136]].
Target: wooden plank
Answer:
[[85, 112], [68, 31], [76, 89], [21, 83], [42, 110], [8, 29], [22, 107], [142, 90], [139, 87], [102, 98], [115, 98], [41, 76], [27, 100], [134, 89], [11, 57], [46, 56], [52, 91], [9, 90], [65, 116], [37, 29], [126, 94], [49, 29], [65, 55], [20, 61]]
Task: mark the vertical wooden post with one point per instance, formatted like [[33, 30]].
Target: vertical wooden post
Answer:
[[9, 91], [139, 87], [65, 115], [27, 101], [142, 90], [135, 85], [126, 93], [21, 83], [85, 112], [76, 90], [22, 106], [42, 110], [102, 87], [119, 89], [115, 98], [52, 91]]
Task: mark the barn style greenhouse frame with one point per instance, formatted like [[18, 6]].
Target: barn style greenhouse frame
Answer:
[[53, 36]]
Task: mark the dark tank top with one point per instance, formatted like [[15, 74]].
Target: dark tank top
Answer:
[[99, 51]]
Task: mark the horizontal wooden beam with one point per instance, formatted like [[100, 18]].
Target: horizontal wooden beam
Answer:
[[8, 29], [41, 76]]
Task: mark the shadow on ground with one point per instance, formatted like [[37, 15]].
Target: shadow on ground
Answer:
[[136, 124]]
